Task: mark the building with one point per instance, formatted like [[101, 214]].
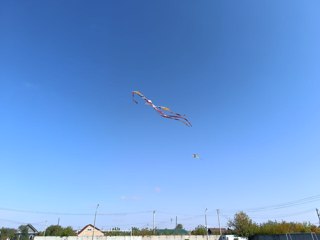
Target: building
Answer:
[[32, 232], [87, 231], [216, 231]]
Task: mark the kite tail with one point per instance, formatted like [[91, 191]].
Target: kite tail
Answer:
[[186, 122], [174, 115], [169, 110], [178, 118], [162, 110], [133, 93]]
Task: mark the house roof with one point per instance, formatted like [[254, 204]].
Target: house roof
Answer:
[[217, 230], [32, 228], [88, 225]]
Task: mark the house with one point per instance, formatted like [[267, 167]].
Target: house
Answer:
[[88, 230], [216, 231], [32, 232]]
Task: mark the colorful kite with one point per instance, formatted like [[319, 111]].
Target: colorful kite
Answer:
[[163, 111]]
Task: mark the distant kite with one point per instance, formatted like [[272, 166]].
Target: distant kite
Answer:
[[196, 156], [162, 110]]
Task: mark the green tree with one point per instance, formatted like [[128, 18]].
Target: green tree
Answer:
[[68, 231], [6, 233], [24, 234], [56, 230], [274, 227], [199, 230], [242, 225], [135, 231], [179, 226], [314, 228], [146, 232]]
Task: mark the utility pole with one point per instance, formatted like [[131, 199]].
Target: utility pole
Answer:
[[58, 221], [94, 221], [205, 221], [318, 215], [154, 212], [45, 229], [176, 221], [218, 212]]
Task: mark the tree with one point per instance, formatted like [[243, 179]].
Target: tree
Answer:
[[56, 230], [146, 232], [199, 230], [68, 231], [24, 233], [7, 233], [274, 227], [179, 226], [242, 225], [135, 231]]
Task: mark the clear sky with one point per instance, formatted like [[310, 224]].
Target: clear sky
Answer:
[[246, 74]]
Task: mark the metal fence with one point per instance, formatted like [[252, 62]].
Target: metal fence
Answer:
[[291, 236]]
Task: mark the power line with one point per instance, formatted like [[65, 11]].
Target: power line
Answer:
[[266, 216], [289, 204], [21, 223], [257, 209], [72, 214], [263, 209]]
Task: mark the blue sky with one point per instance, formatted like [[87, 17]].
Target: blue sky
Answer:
[[246, 73]]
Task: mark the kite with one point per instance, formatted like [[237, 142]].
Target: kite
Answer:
[[195, 155], [163, 111]]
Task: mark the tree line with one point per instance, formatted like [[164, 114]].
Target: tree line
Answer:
[[241, 225], [22, 232]]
